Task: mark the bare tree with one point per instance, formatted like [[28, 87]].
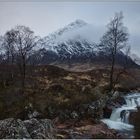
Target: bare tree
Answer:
[[19, 43], [114, 40], [1, 48], [9, 46], [126, 65]]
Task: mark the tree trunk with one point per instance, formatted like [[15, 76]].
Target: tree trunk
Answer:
[[12, 70], [23, 74], [22, 66], [112, 73]]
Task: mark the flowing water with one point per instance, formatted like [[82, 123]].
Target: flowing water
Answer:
[[119, 118]]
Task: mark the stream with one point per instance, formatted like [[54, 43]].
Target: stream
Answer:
[[119, 119]]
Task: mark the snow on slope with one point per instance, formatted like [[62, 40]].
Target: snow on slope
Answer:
[[75, 38], [74, 41], [135, 58]]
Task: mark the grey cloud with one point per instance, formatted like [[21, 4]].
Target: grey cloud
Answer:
[[46, 17]]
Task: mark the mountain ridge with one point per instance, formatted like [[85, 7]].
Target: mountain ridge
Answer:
[[70, 45]]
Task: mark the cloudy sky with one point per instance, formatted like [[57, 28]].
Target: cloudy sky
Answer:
[[46, 17]]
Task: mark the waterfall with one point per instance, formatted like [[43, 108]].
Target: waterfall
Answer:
[[115, 116], [133, 102], [119, 113], [119, 118], [128, 101]]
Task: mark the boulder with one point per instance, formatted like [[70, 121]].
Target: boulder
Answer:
[[107, 111], [40, 129], [13, 129], [29, 129], [136, 122]]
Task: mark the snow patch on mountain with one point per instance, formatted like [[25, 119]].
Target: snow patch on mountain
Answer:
[[135, 58], [77, 36], [74, 42], [84, 33]]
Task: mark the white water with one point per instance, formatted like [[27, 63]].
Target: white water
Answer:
[[119, 118]]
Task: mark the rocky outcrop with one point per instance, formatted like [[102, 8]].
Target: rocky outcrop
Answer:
[[17, 129], [88, 132], [12, 129], [40, 129], [135, 120]]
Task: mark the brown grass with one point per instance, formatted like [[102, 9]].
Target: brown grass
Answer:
[[52, 87]]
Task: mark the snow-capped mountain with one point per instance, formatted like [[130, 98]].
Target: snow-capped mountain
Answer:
[[70, 40], [73, 43]]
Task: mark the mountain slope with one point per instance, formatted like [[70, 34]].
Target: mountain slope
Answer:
[[69, 41], [71, 44], [135, 58]]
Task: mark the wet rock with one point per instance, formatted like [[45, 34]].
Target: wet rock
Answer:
[[107, 111], [132, 116], [136, 122], [120, 100], [115, 103], [13, 129]]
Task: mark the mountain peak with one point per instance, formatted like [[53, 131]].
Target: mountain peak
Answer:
[[72, 26], [68, 30], [78, 22]]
